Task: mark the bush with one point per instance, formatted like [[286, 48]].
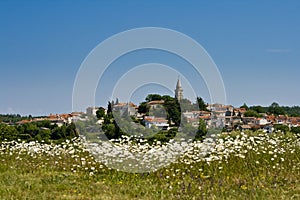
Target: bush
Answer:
[[295, 130], [281, 127]]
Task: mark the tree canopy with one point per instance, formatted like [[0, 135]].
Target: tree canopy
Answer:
[[275, 109], [100, 113]]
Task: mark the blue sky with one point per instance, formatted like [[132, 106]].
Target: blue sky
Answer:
[[255, 44]]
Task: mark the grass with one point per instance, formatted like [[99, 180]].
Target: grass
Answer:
[[260, 167]]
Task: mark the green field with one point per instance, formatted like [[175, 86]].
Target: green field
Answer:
[[239, 166]]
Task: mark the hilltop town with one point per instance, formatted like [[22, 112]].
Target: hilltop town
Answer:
[[157, 112]]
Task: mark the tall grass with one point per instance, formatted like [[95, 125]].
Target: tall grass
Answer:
[[241, 166]]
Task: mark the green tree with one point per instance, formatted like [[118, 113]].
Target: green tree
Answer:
[[281, 127], [295, 130], [7, 132], [153, 97], [275, 109], [293, 111], [144, 108], [258, 109], [173, 111], [100, 113], [109, 108], [31, 129], [244, 106], [167, 98], [202, 130], [44, 134], [71, 131], [202, 105], [251, 113]]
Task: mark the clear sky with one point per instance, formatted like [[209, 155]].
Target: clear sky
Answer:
[[255, 44]]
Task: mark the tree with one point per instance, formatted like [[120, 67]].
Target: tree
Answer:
[[295, 130], [275, 109], [109, 108], [153, 97], [59, 133], [167, 98], [100, 113], [202, 130], [31, 129], [293, 111], [258, 109], [71, 131], [281, 127], [245, 106], [251, 113], [173, 111], [143, 108], [44, 134], [7, 132], [201, 104]]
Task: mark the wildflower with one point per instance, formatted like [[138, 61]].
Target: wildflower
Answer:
[[244, 187]]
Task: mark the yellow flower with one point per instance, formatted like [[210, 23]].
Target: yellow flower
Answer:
[[244, 187]]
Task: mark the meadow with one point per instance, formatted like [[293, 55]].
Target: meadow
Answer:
[[250, 165]]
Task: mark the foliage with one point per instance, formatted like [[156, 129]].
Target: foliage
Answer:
[[100, 113], [173, 110], [293, 111], [281, 127], [109, 107], [7, 132], [275, 109], [244, 106], [243, 166], [12, 118], [37, 131], [258, 109], [64, 132], [202, 130], [251, 113], [144, 108], [153, 97], [202, 105], [162, 136], [295, 129]]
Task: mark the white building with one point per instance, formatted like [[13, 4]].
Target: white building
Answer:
[[160, 123], [91, 111], [128, 108], [261, 121]]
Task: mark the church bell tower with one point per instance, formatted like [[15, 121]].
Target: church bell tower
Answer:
[[178, 91]]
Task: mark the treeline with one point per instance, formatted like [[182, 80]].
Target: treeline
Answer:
[[37, 131], [13, 118], [274, 108]]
